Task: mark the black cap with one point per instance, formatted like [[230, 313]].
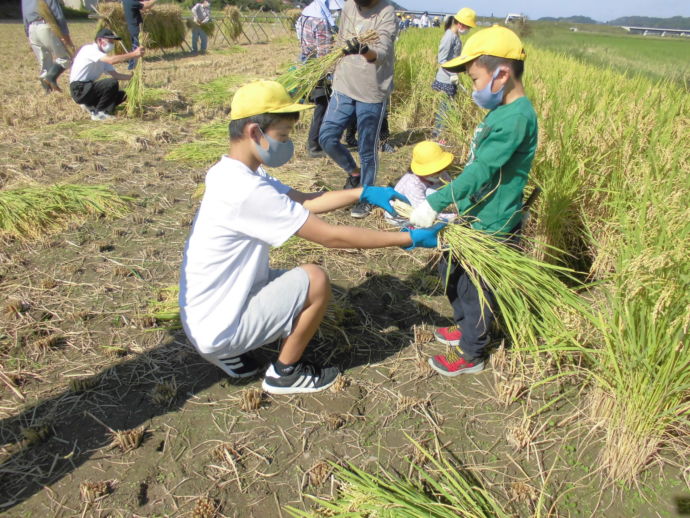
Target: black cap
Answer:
[[107, 33]]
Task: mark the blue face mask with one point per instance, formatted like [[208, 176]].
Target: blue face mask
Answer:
[[485, 98], [277, 154]]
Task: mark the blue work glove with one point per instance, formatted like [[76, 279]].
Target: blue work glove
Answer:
[[424, 237], [382, 197]]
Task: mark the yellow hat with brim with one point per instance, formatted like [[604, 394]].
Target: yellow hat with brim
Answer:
[[261, 97], [466, 16], [495, 41], [429, 158]]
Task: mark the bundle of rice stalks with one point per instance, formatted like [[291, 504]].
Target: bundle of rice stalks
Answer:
[[134, 106], [231, 23], [49, 17], [302, 79], [442, 492], [166, 309], [529, 293], [209, 28], [162, 25], [292, 15], [29, 212]]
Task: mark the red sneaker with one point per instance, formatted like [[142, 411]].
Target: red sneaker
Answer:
[[452, 365], [448, 335]]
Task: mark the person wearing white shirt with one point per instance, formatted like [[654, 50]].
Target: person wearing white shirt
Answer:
[[99, 97], [231, 301], [201, 13]]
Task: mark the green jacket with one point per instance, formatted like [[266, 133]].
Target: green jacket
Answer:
[[490, 188]]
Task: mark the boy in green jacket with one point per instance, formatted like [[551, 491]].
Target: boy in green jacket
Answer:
[[489, 192]]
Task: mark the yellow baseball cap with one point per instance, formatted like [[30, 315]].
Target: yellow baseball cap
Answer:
[[263, 97], [466, 16], [429, 158], [495, 41]]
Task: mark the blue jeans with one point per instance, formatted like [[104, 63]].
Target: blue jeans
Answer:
[[341, 110], [199, 34], [444, 105]]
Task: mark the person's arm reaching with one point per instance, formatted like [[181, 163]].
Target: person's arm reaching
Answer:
[[121, 58], [319, 202], [491, 154]]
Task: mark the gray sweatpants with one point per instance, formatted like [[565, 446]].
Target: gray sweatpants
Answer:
[[47, 47]]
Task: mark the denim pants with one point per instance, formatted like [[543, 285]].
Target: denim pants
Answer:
[[341, 110], [473, 317], [199, 34], [444, 104]]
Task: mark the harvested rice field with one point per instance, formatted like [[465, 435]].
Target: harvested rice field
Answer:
[[107, 411]]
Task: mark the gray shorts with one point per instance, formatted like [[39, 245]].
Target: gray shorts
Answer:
[[268, 314]]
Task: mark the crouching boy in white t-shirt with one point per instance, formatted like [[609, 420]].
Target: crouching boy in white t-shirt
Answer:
[[231, 301]]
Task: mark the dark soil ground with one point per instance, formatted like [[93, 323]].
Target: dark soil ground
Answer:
[[82, 358]]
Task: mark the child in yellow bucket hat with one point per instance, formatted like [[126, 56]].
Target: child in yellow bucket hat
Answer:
[[489, 190], [428, 172], [231, 301]]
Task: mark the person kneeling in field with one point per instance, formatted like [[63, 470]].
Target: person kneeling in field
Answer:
[[99, 98], [489, 191], [428, 172], [231, 302]]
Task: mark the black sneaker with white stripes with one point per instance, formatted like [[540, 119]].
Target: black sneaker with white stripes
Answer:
[[242, 366], [305, 378]]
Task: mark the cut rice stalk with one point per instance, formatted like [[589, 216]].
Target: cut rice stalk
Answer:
[[32, 211], [49, 17], [530, 296], [300, 80]]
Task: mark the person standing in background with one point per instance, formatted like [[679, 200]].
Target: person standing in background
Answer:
[[50, 48], [424, 20], [316, 29], [132, 10], [201, 13], [450, 48], [362, 82]]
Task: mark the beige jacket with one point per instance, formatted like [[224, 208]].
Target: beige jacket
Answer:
[[354, 76]]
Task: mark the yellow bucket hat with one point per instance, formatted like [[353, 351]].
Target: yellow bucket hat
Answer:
[[466, 16], [263, 97], [495, 41], [429, 158]]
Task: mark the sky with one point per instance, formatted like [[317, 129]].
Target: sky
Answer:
[[597, 9]]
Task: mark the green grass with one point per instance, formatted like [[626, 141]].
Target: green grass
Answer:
[[656, 57], [118, 130]]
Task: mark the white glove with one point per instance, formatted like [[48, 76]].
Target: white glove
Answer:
[[423, 215], [454, 79]]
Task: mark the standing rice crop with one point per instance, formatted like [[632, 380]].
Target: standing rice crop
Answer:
[[29, 212]]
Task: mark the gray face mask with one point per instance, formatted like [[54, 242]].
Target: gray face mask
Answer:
[[277, 154]]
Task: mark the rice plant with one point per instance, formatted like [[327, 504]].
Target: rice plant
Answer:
[[162, 26], [29, 212], [231, 23], [301, 79], [449, 492], [530, 294], [45, 13]]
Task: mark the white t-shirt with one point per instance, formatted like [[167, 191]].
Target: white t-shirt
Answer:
[[243, 213], [87, 65]]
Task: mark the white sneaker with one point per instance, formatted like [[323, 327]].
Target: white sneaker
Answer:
[[101, 116]]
